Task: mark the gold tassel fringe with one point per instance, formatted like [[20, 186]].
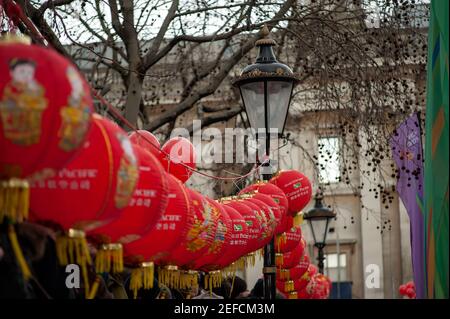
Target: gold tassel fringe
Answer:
[[109, 258], [26, 273], [94, 289], [293, 295], [260, 253], [213, 279], [72, 248], [298, 219], [169, 276], [281, 239], [14, 200], [250, 259], [188, 279], [278, 259], [289, 286], [285, 274], [142, 277]]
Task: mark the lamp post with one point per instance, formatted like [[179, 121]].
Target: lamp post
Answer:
[[318, 219], [266, 90]]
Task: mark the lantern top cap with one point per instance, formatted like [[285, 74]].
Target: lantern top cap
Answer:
[[266, 40]]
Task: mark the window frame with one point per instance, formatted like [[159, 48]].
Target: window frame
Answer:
[[330, 135]]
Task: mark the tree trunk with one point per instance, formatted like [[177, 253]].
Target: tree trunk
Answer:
[[133, 99]]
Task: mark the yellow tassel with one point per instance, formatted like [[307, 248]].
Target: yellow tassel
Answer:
[[289, 286], [232, 284], [109, 258], [169, 276], [94, 289], [213, 279], [14, 200], [293, 295], [284, 274], [142, 277], [260, 253], [26, 273], [72, 248], [298, 219], [278, 259], [281, 239], [250, 259]]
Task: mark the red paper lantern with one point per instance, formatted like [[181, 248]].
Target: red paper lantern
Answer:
[[296, 187], [296, 272], [220, 244], [288, 240], [45, 111], [285, 287], [168, 232], [253, 222], [277, 195], [95, 187], [317, 288], [180, 151], [147, 141], [303, 281], [286, 224], [275, 211], [147, 205], [201, 234], [239, 237], [268, 213], [291, 258], [266, 231]]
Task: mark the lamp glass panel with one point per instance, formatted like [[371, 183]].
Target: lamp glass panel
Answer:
[[319, 228], [253, 97], [279, 94]]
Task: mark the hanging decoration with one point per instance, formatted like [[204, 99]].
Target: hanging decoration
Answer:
[[296, 187], [277, 195], [254, 226], [89, 192], [42, 125], [295, 272], [179, 156], [169, 230], [220, 245], [148, 142], [157, 244], [303, 281], [265, 232], [319, 287], [201, 234], [145, 208], [290, 258], [289, 240], [239, 241]]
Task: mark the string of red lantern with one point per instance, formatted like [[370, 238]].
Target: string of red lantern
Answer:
[[116, 113]]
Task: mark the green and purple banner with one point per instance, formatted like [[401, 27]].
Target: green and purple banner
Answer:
[[437, 154], [406, 145]]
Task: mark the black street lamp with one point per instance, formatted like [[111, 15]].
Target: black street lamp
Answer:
[[318, 219], [266, 90]]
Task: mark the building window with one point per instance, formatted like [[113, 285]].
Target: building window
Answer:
[[333, 268], [329, 160]]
